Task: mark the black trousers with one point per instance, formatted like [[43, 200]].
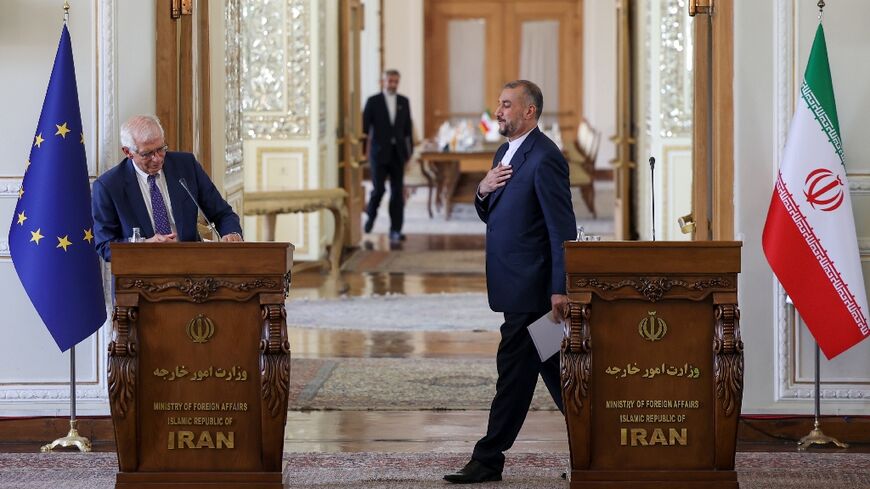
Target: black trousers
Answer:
[[391, 167], [518, 366]]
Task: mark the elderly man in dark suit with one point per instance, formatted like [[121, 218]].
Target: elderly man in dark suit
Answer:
[[387, 123], [525, 201], [146, 191]]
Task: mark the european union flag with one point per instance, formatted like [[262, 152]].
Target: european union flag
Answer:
[[52, 238]]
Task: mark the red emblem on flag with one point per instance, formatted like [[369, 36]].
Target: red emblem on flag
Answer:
[[823, 190]]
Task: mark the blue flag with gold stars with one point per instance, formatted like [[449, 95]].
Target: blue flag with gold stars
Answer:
[[51, 239]]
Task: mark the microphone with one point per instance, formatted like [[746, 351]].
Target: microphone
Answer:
[[199, 209], [652, 181]]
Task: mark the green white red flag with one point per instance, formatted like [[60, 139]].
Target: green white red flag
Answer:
[[809, 237]]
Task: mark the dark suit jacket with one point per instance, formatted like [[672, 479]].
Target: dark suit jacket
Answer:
[[376, 124], [527, 221], [119, 206]]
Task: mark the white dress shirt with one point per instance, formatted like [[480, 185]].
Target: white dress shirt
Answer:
[[513, 146], [391, 106], [142, 177]]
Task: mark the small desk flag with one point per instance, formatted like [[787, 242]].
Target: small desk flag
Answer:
[[52, 239], [809, 237]]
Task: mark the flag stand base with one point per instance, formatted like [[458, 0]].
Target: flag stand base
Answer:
[[72, 439], [816, 436]]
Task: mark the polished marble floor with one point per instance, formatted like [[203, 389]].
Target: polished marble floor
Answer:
[[403, 431]]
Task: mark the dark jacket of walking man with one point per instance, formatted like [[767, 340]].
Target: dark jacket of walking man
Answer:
[[387, 123], [525, 201]]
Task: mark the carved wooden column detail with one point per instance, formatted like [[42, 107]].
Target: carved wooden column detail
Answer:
[[275, 357], [274, 376], [122, 376], [728, 357], [122, 358], [576, 356]]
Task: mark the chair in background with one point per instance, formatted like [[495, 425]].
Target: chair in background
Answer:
[[581, 157]]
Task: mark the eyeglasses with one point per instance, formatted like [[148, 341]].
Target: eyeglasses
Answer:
[[157, 152]]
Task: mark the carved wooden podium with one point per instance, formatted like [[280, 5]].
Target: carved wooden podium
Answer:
[[199, 364], [652, 364]]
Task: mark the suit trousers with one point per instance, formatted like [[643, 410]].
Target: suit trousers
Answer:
[[391, 167], [518, 367]]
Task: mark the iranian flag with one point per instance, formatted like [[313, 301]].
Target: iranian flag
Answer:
[[809, 237]]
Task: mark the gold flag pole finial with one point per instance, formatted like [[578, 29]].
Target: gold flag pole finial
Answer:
[[65, 11], [821, 6]]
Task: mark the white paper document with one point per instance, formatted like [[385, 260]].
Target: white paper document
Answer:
[[547, 335]]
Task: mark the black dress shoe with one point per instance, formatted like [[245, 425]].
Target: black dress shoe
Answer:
[[370, 223], [474, 472], [396, 237]]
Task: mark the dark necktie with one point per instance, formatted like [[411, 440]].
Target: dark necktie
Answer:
[[158, 207]]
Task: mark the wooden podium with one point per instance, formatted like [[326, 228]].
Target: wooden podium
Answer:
[[652, 364], [199, 364]]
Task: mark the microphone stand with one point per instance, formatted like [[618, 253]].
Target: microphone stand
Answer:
[[652, 186], [214, 231]]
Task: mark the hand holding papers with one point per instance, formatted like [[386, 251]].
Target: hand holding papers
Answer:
[[547, 335]]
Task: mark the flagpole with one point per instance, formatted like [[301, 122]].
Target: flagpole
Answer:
[[72, 438], [816, 436]]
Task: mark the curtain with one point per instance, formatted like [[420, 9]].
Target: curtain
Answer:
[[539, 60], [466, 51]]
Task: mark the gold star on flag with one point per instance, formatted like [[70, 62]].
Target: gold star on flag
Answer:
[[27, 165], [63, 242], [21, 218], [35, 236], [61, 130], [20, 192], [38, 141], [82, 140], [89, 235]]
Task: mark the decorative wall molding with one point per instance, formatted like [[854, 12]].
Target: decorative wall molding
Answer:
[[234, 174], [859, 184], [276, 69], [61, 394], [9, 187], [321, 70], [675, 82], [782, 94], [107, 135]]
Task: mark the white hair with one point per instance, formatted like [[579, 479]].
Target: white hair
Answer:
[[141, 128]]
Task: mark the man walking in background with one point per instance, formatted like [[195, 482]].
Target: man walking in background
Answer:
[[525, 201], [387, 124]]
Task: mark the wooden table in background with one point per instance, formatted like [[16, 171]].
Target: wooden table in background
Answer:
[[448, 167]]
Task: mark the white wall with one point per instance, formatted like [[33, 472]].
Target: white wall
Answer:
[[34, 375], [599, 73], [370, 54], [403, 50], [29, 34], [771, 44]]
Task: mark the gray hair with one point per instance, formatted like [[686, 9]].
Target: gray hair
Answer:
[[533, 95], [142, 128], [392, 72]]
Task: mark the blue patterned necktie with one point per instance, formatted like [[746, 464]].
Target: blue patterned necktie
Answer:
[[158, 207]]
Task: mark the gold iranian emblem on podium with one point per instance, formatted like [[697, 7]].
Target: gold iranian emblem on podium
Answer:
[[200, 329], [652, 327]]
